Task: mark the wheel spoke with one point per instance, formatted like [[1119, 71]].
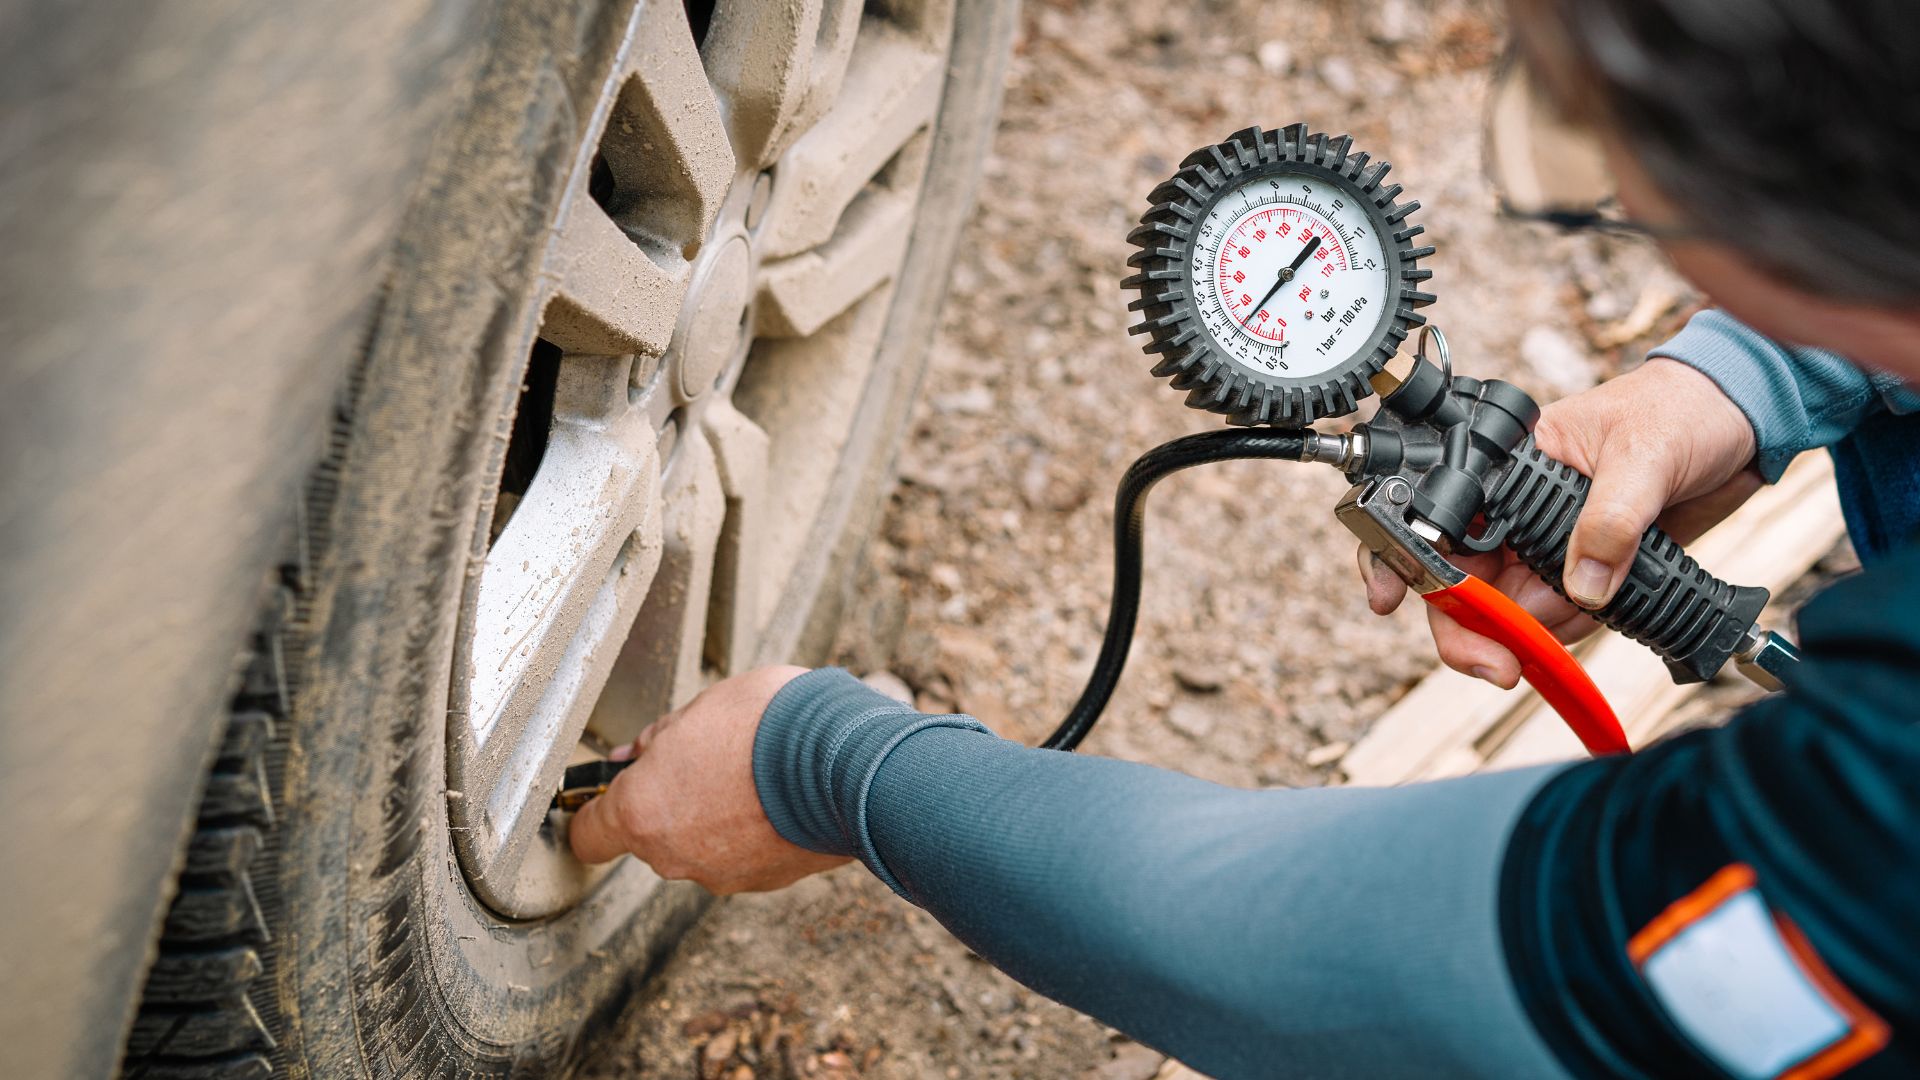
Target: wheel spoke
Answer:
[[826, 69], [801, 294], [558, 590], [733, 623], [659, 669], [779, 66], [891, 92], [665, 142], [611, 297], [805, 393]]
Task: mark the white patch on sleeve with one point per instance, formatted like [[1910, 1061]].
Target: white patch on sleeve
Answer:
[[1729, 981]]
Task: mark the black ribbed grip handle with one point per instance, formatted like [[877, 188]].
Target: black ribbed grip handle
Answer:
[[1692, 619]]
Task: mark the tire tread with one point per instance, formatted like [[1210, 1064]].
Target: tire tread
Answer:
[[199, 1016]]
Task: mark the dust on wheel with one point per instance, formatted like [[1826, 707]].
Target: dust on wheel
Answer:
[[639, 365]]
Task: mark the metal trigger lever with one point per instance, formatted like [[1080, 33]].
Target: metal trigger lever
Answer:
[[1376, 512]]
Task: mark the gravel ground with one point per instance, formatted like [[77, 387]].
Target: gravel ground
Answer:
[[986, 591]]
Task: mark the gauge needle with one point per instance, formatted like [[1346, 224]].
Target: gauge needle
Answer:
[[1286, 275]]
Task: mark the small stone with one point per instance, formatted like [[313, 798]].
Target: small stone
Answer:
[[1191, 718], [1606, 306], [713, 1056], [1199, 676], [1253, 656], [1131, 1061], [1327, 754], [889, 684], [1033, 482], [946, 576], [707, 1023], [1275, 58], [973, 401], [931, 477], [1396, 22], [1061, 493], [1337, 72]]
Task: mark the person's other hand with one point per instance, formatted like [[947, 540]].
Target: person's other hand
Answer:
[[688, 807], [1662, 443]]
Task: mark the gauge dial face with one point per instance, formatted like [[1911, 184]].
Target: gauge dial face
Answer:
[[1290, 276]]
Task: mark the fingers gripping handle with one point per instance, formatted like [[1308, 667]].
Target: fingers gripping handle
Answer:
[[1693, 620], [1376, 512], [1547, 665]]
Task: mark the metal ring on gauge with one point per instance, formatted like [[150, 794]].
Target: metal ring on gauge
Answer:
[[1440, 346]]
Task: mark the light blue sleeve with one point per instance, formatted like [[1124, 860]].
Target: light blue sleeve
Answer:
[[1796, 399], [1325, 932]]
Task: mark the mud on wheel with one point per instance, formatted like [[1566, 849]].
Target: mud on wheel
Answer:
[[638, 370]]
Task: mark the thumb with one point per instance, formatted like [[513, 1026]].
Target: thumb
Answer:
[[596, 832], [1628, 493]]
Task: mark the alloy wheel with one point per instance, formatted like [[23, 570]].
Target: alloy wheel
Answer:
[[710, 307]]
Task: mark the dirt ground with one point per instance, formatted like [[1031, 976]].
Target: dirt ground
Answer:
[[1256, 660]]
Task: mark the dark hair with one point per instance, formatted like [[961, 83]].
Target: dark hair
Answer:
[[1789, 129]]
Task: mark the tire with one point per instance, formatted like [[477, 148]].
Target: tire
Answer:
[[328, 920]]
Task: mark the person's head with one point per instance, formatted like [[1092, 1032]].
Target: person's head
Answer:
[[1773, 144]]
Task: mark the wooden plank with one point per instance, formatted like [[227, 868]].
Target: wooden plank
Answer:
[[1449, 721], [1439, 716]]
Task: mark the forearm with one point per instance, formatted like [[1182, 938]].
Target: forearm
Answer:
[[1324, 932]]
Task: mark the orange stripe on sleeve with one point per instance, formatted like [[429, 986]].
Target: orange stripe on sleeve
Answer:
[[1869, 1034], [1727, 881]]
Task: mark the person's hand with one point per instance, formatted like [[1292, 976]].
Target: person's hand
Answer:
[[688, 807], [1662, 443]]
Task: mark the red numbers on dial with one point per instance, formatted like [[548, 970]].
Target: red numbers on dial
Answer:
[[1277, 231]]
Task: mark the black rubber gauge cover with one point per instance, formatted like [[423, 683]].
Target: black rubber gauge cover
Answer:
[[1185, 348]]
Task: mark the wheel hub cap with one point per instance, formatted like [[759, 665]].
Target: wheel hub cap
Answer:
[[716, 316]]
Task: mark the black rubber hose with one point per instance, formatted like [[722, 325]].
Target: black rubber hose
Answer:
[[1129, 535]]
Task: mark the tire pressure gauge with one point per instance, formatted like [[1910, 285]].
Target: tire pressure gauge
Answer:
[[1276, 274]]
